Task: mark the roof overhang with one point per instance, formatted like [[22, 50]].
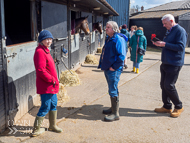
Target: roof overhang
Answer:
[[159, 14], [95, 6]]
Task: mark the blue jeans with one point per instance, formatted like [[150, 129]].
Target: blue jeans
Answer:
[[112, 78], [136, 65], [48, 103]]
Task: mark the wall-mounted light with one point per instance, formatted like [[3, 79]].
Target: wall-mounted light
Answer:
[[96, 8], [74, 5], [106, 13]]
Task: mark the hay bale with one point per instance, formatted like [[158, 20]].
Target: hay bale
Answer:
[[99, 50], [91, 59], [68, 79], [62, 96]]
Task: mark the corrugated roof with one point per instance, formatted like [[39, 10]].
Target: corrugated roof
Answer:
[[185, 4], [105, 7], [159, 14]]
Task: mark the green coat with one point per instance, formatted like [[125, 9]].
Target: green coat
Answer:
[[135, 57]]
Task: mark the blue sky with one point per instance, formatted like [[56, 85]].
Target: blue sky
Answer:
[[149, 3]]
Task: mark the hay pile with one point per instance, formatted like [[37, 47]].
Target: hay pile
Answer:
[[99, 50], [91, 59], [68, 79], [62, 95]]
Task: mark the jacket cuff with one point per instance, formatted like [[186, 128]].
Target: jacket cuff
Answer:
[[53, 80]]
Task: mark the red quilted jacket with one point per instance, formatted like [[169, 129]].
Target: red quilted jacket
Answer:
[[46, 74]]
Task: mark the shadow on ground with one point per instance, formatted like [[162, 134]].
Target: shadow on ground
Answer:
[[86, 112], [151, 59], [94, 112]]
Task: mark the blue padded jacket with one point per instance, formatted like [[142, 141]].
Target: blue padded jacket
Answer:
[[113, 53]]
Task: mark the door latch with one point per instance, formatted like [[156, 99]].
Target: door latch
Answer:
[[11, 55]]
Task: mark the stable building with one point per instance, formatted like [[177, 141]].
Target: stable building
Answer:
[[20, 23], [150, 19]]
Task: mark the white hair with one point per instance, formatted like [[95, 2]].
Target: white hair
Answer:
[[168, 17], [114, 26]]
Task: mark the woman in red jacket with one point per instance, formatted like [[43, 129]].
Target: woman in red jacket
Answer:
[[47, 84]]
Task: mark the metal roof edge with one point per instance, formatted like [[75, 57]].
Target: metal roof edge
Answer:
[[134, 17], [104, 2], [165, 10]]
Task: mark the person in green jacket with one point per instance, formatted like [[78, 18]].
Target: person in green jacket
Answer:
[[126, 33], [137, 40]]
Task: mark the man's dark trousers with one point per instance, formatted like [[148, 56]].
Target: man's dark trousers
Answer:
[[169, 76]]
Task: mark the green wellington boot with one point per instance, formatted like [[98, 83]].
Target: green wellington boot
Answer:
[[115, 110], [37, 124], [108, 111], [52, 122]]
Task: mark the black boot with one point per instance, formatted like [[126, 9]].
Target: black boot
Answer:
[[115, 110], [108, 111]]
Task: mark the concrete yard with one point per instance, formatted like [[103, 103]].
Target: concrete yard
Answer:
[[81, 117]]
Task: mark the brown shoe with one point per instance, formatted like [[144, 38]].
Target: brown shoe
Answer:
[[176, 113], [162, 110]]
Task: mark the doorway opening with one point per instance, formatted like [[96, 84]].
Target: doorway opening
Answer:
[[17, 21]]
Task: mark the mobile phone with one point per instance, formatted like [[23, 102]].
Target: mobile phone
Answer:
[[155, 39]]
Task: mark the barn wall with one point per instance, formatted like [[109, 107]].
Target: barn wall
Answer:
[[21, 79], [58, 55], [150, 26], [20, 68], [54, 19], [122, 7], [3, 97], [184, 21]]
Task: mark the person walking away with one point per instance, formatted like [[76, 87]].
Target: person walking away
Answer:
[[126, 33], [111, 62], [132, 32], [173, 53], [137, 41], [47, 84]]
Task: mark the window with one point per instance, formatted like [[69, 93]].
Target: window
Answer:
[[17, 21]]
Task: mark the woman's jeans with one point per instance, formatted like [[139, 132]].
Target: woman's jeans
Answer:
[[136, 65], [112, 78], [48, 103], [169, 76]]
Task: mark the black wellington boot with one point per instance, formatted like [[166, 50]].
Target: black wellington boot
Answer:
[[115, 110]]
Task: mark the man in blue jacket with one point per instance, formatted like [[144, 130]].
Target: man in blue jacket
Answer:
[[173, 52], [112, 62]]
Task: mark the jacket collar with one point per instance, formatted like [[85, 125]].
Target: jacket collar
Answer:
[[173, 27], [44, 48], [111, 38]]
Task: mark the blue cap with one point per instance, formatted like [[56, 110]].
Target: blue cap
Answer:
[[44, 35]]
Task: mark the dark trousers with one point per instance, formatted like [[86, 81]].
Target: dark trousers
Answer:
[[169, 76]]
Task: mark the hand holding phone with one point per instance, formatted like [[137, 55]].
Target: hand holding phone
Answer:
[[155, 39]]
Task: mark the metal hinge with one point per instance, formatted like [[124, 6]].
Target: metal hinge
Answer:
[[11, 55]]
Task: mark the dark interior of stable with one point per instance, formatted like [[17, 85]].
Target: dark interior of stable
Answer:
[[17, 21]]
